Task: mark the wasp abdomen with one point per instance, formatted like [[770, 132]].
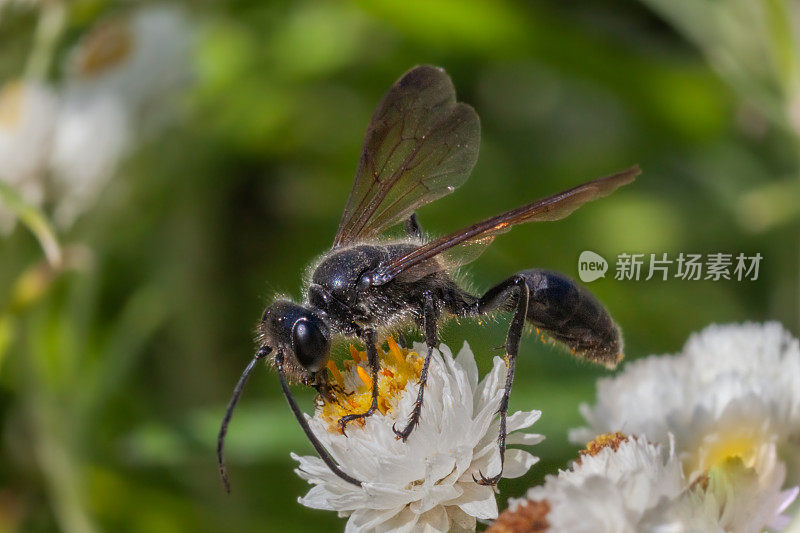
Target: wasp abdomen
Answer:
[[570, 315]]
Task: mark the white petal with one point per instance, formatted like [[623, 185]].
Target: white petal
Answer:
[[460, 522], [522, 420], [517, 463], [434, 496], [466, 360], [527, 439], [491, 384], [370, 519], [478, 501], [317, 498], [402, 522], [313, 469], [437, 467], [386, 496], [433, 521], [483, 418]]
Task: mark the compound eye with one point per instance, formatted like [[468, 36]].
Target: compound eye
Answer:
[[310, 344]]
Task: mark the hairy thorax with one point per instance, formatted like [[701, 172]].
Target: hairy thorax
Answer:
[[339, 284]]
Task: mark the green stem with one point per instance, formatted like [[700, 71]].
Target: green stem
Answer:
[[35, 220], [60, 471], [48, 30]]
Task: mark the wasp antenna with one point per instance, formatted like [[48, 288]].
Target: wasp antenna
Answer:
[[223, 430], [323, 453]]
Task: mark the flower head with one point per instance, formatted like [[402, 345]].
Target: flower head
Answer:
[[122, 71], [627, 484], [734, 391], [425, 483], [615, 484], [140, 57]]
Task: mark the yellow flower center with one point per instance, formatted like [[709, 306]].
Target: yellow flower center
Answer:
[[398, 367], [11, 97], [105, 47], [718, 449]]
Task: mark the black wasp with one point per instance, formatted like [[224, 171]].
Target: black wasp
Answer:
[[420, 145]]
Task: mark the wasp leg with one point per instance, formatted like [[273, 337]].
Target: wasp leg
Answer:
[[370, 341], [431, 338], [413, 228], [514, 288]]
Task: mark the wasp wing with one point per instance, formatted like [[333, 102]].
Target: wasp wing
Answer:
[[420, 145], [466, 245]]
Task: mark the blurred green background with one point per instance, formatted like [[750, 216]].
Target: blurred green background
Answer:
[[114, 376]]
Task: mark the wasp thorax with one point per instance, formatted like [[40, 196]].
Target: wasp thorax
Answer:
[[297, 332]]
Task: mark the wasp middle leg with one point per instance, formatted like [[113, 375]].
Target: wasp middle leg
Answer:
[[429, 318], [370, 340]]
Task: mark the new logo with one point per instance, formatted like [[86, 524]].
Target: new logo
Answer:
[[591, 266]]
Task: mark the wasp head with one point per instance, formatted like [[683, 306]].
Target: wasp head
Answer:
[[300, 335]]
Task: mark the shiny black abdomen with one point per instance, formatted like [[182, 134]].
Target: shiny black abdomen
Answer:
[[571, 315]]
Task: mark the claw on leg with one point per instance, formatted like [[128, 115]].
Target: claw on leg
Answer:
[[487, 481], [412, 423], [349, 418]]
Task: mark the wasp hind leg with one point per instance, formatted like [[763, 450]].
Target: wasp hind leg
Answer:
[[431, 338], [514, 288], [370, 340]]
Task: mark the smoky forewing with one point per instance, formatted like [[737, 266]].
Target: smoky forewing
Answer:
[[450, 259], [462, 246], [420, 145]]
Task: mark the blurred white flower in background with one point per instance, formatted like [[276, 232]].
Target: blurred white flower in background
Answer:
[[626, 485], [731, 498], [426, 483], [119, 86], [734, 391], [140, 59], [120, 80], [26, 127], [91, 136]]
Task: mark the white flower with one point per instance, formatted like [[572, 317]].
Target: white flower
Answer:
[[729, 498], [732, 391], [627, 485], [92, 135], [610, 489], [118, 81], [139, 58], [26, 126], [426, 483]]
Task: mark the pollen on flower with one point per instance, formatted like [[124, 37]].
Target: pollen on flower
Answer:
[[608, 440], [105, 47], [352, 393], [528, 517]]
